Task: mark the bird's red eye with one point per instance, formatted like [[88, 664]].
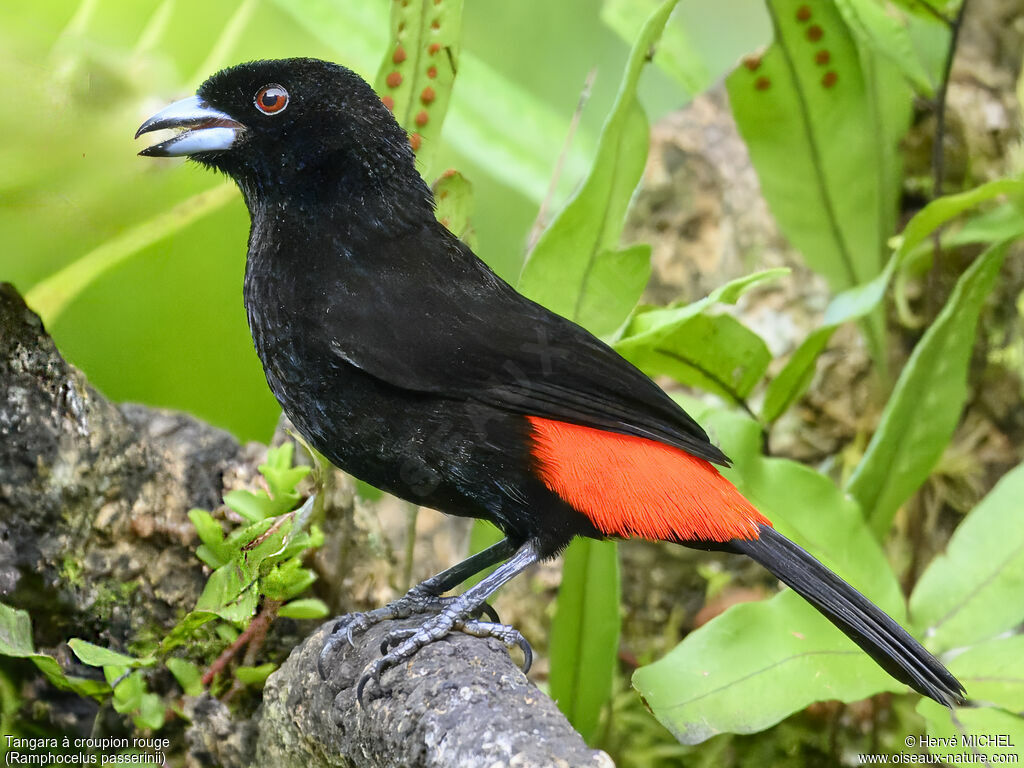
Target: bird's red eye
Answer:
[[271, 99]]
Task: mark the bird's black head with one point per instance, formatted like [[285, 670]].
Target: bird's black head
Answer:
[[290, 126]]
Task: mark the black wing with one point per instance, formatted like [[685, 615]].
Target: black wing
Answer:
[[428, 315]]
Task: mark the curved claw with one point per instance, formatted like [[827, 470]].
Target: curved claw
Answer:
[[329, 646], [527, 654], [378, 668], [486, 609], [394, 637]]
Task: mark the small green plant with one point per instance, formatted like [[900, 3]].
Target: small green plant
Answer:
[[259, 562]]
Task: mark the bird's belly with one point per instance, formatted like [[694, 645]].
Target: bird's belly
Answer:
[[459, 457]]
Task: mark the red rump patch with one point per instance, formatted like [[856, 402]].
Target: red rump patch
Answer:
[[634, 487]]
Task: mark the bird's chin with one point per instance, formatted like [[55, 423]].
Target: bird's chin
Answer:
[[205, 130]]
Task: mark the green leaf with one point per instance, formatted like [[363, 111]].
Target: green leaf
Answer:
[[888, 36], [975, 590], [993, 672], [585, 633], [184, 631], [754, 665], [716, 353], [823, 140], [795, 377], [701, 42], [453, 195], [806, 506], [568, 260], [255, 676], [287, 580], [252, 506], [230, 592], [308, 608], [282, 477], [793, 380], [981, 725], [612, 288], [50, 297], [98, 656], [415, 79], [188, 675], [650, 324], [15, 632], [212, 551], [151, 712], [758, 662], [945, 209], [925, 406]]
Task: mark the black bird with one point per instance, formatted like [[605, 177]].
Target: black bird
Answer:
[[407, 362]]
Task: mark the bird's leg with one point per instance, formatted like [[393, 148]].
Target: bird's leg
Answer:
[[425, 597], [458, 614]]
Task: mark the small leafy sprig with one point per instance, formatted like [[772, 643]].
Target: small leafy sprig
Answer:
[[260, 560]]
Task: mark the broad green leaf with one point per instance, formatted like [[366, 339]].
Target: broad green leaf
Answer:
[[925, 405], [975, 590], [806, 506], [568, 260], [759, 662], [309, 608], [821, 140], [415, 79], [188, 675], [585, 632], [611, 289], [255, 676], [993, 672], [98, 656], [716, 353], [650, 324], [679, 340], [701, 41], [754, 665], [888, 36], [230, 592], [50, 297], [975, 731]]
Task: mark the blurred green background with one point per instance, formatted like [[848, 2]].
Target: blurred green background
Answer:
[[166, 325]]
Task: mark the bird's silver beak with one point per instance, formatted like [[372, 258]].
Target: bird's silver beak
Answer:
[[206, 129]]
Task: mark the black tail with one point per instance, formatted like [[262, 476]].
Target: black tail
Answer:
[[861, 620]]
